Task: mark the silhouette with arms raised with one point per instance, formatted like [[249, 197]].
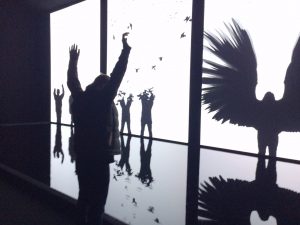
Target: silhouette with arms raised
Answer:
[[58, 102], [94, 117], [230, 90]]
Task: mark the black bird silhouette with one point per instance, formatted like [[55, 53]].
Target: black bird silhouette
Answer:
[[182, 35], [137, 69], [230, 90], [154, 67], [187, 19], [160, 58]]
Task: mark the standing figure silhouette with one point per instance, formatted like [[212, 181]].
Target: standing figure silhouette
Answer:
[[58, 102], [147, 98], [126, 113], [93, 114]]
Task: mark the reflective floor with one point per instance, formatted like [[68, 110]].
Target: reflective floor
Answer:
[[148, 180]]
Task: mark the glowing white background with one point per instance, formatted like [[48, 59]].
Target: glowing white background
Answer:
[[156, 29], [273, 28], [77, 24]]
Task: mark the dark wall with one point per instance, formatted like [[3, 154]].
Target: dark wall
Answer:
[[24, 63]]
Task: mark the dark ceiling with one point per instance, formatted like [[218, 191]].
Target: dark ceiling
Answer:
[[50, 5]]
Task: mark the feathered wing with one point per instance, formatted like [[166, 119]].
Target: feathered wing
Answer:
[[229, 89], [289, 105]]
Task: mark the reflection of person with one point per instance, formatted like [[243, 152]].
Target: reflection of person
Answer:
[[125, 152], [57, 151], [145, 174], [58, 102], [126, 113], [93, 135], [147, 98]]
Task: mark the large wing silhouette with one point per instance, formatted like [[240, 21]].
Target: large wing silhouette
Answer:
[[290, 103], [230, 84]]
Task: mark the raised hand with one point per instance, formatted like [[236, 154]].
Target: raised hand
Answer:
[[124, 40], [74, 53]]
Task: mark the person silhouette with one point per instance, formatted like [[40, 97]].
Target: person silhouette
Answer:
[[58, 102], [93, 114], [125, 106], [147, 98]]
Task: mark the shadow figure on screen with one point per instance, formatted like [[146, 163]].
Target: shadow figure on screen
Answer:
[[125, 153], [57, 150], [125, 106], [147, 99], [234, 201], [145, 174], [58, 102], [95, 141], [230, 86]]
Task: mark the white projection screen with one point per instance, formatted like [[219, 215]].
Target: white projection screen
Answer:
[[160, 37], [274, 31]]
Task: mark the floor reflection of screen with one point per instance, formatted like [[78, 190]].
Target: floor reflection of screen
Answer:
[[157, 77], [273, 48], [147, 181], [247, 189]]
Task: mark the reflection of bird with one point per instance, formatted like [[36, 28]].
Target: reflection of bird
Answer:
[[154, 67], [115, 177], [230, 90], [182, 35], [134, 202], [151, 209]]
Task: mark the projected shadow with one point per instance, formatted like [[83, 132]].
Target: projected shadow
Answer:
[[58, 97], [230, 88], [145, 174], [147, 99], [57, 150], [233, 201], [125, 106]]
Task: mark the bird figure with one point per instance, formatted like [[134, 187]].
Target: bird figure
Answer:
[[187, 19], [154, 67], [160, 58], [137, 70], [230, 88], [183, 35]]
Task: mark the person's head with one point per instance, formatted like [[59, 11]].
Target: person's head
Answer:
[[99, 82]]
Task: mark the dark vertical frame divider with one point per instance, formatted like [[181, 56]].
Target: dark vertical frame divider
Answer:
[[194, 111], [103, 36]]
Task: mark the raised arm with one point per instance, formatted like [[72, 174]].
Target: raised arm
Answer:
[[119, 70], [63, 90], [73, 81]]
